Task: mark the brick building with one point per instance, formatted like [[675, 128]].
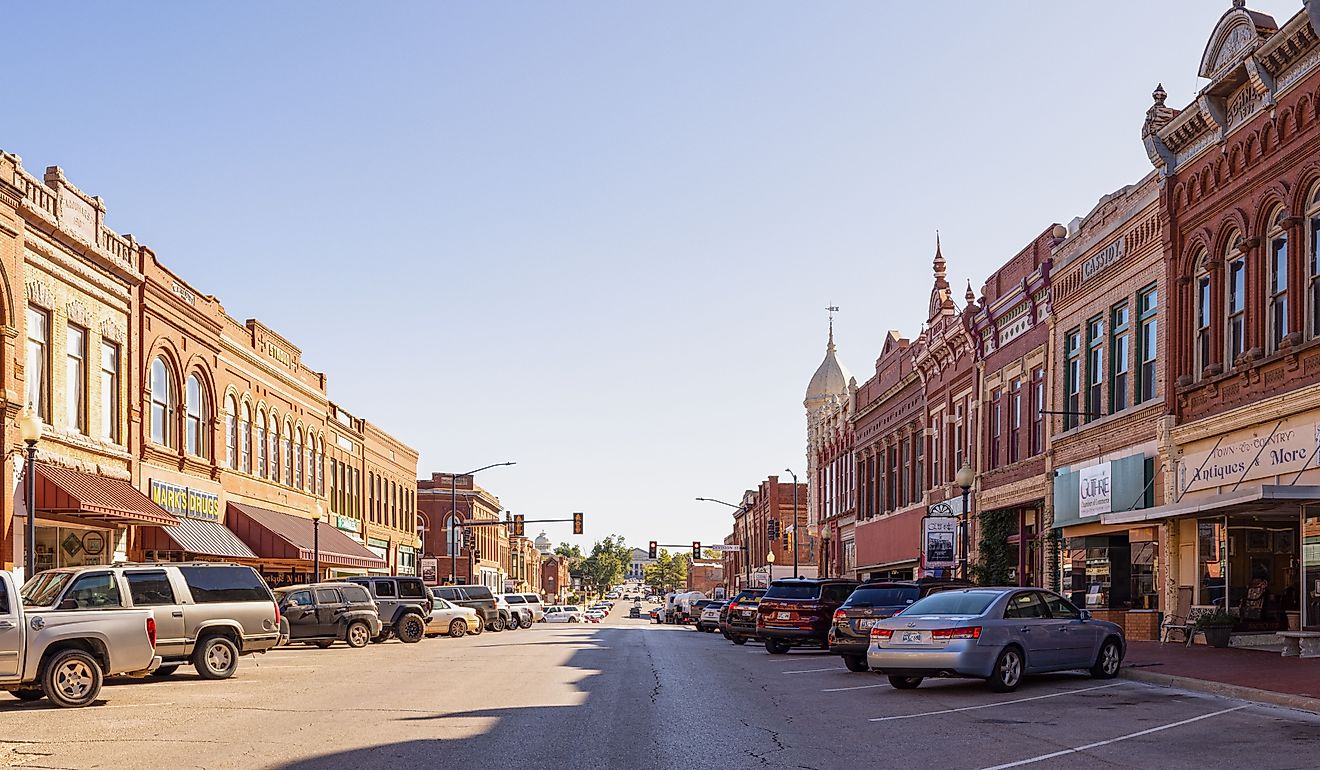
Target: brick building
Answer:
[[831, 498], [485, 561], [556, 583], [524, 566], [1010, 330], [772, 500], [706, 576]]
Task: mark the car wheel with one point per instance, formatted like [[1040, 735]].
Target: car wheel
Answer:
[[479, 626], [1108, 661], [572, 619], [856, 663], [165, 671], [28, 694], [497, 625], [325, 644], [905, 682], [216, 657], [526, 621], [1007, 674], [458, 629], [72, 679], [775, 648], [738, 640], [411, 629], [357, 635]]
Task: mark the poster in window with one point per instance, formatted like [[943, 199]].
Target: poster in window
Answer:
[[939, 535]]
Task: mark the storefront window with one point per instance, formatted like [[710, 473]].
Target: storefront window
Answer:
[[1145, 568], [1097, 572], [1311, 566], [70, 547], [1212, 562]]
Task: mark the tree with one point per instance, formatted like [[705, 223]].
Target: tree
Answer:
[[607, 563], [574, 554], [667, 572]]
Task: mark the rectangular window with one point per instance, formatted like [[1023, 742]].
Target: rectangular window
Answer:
[[261, 445], [75, 378], [1235, 320], [958, 442], [245, 441], [1037, 407], [936, 450], [1120, 359], [1148, 305], [893, 479], [905, 480], [1278, 290], [149, 589], [1095, 366], [1202, 325], [110, 391], [1072, 373], [37, 369], [918, 448], [1313, 288], [1014, 420], [996, 418]]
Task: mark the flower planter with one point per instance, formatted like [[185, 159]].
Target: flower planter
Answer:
[[1217, 636]]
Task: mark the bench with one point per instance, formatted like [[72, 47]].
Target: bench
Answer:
[[1300, 644]]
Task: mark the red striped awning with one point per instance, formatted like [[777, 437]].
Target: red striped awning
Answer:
[[274, 535], [66, 491]]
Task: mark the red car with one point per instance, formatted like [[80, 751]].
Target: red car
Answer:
[[799, 612]]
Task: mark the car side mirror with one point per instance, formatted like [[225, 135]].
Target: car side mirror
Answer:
[[1086, 614], [67, 604]]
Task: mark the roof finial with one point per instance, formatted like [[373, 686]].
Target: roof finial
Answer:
[[969, 296], [832, 309], [1159, 94], [939, 257], [1239, 3]]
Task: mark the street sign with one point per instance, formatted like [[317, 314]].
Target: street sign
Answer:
[[724, 547]]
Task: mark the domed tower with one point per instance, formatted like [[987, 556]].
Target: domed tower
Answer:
[[828, 403], [830, 379], [543, 544]]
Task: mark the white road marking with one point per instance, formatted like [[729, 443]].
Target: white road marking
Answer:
[[1098, 744], [815, 670], [861, 687], [999, 703]]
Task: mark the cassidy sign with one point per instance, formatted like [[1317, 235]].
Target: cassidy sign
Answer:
[[1262, 452]]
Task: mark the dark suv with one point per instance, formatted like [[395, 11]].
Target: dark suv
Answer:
[[800, 611], [403, 603], [738, 618], [478, 598], [850, 634], [324, 613]]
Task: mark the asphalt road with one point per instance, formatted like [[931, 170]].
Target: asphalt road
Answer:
[[628, 694]]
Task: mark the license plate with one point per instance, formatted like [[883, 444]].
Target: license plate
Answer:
[[912, 637], [866, 623], [745, 613], [784, 615]]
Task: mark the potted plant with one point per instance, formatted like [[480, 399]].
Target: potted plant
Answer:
[[1216, 626]]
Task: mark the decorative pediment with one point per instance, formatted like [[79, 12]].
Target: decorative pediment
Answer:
[[1238, 33]]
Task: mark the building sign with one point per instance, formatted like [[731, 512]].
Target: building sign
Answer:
[[192, 503], [183, 293], [430, 567], [346, 523], [1255, 453], [939, 542], [279, 354], [77, 216], [1107, 256], [1094, 492], [716, 547]]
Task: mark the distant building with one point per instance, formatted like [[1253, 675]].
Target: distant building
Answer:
[[706, 577], [637, 566]]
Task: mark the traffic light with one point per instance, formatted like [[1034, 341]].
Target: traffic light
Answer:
[[518, 524], [772, 530], [467, 538], [577, 523], [696, 550], [476, 554], [651, 549], [786, 536]]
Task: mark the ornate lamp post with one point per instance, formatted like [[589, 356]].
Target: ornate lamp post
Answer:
[[790, 472], [316, 543], [964, 478], [29, 427], [769, 567]]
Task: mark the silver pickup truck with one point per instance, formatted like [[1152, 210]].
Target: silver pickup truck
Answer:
[[65, 653]]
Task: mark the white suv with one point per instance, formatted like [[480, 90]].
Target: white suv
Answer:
[[564, 614], [531, 601]]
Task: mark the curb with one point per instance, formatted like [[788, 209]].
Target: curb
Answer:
[[1240, 692]]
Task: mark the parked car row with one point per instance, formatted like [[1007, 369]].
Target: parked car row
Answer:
[[67, 629], [917, 629]]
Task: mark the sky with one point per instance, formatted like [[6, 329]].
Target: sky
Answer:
[[596, 239]]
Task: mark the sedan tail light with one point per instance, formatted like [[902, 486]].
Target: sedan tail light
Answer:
[[882, 633], [151, 631], [964, 632], [839, 615]]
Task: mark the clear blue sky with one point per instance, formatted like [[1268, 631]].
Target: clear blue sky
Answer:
[[594, 238]]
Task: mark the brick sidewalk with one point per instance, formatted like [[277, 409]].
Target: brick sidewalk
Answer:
[[1236, 667]]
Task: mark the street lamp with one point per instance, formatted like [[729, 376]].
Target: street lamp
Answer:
[[29, 428], [964, 478], [316, 543], [747, 542], [790, 472], [453, 514], [769, 567]]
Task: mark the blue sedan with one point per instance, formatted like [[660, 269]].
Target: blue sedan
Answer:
[[995, 634]]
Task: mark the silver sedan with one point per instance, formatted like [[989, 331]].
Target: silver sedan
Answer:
[[995, 634], [447, 617]]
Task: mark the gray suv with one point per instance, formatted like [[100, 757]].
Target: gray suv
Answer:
[[403, 603], [207, 614]]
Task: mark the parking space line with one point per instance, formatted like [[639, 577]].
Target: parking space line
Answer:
[[1098, 744], [859, 687], [814, 670], [999, 703]]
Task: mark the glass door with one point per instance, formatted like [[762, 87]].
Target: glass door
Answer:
[[1212, 562], [1311, 566]]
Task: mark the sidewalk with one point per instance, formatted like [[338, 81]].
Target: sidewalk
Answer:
[[1255, 675]]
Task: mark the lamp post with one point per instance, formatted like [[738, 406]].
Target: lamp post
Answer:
[[769, 567], [790, 472], [964, 478], [316, 543], [29, 428], [747, 545], [453, 514]]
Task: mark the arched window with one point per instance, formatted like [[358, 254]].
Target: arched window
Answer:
[[298, 457], [261, 443], [231, 433], [245, 438], [1313, 263], [275, 474], [195, 417], [163, 402], [1204, 301], [1235, 302], [1276, 290], [394, 505], [310, 455], [286, 451], [320, 465]]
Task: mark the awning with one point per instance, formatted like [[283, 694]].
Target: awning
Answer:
[[1267, 497], [199, 536], [275, 535], [64, 490]]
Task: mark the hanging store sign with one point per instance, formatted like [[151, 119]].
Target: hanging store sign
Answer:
[[939, 542], [1094, 490], [1267, 450], [430, 568], [192, 503]]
